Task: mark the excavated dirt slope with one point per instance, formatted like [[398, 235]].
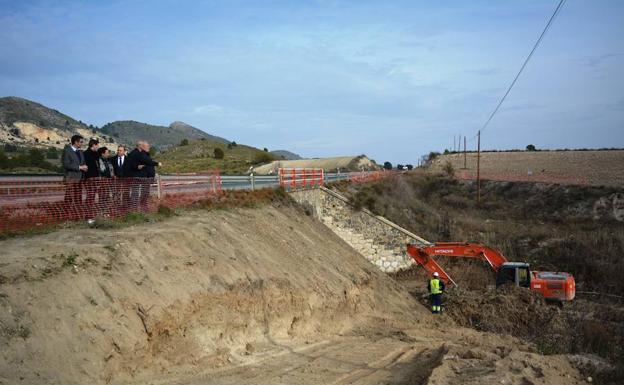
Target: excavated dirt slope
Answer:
[[257, 296]]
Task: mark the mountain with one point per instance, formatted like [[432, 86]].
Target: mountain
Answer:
[[195, 133], [162, 137], [27, 123], [199, 156], [286, 155]]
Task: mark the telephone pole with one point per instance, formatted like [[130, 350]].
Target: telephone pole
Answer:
[[479, 168]]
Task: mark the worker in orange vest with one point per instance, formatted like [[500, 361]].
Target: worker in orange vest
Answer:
[[436, 288]]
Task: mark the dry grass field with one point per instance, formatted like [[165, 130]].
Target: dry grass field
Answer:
[[597, 168]]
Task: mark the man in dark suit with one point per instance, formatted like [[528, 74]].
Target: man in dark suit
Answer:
[[119, 162], [122, 182], [142, 168], [74, 167]]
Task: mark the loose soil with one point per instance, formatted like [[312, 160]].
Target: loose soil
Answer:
[[257, 296]]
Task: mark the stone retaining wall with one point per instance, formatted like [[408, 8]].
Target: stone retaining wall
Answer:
[[381, 244]]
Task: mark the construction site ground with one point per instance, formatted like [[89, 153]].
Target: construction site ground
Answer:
[[239, 296]]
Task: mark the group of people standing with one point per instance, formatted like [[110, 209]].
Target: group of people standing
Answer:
[[110, 182]]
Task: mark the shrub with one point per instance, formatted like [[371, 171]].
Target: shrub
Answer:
[[218, 153], [449, 169], [184, 142], [432, 155], [531, 147]]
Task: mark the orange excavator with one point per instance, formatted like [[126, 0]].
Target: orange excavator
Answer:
[[552, 285]]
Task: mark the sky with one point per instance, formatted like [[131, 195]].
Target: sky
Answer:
[[390, 79]]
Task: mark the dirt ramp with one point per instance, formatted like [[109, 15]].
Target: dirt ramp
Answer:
[[204, 290]]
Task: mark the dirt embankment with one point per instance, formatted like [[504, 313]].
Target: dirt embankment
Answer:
[[260, 296]]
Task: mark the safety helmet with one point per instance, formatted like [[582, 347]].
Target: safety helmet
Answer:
[[435, 274]]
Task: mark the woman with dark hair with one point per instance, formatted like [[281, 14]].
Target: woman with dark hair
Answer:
[[106, 169]]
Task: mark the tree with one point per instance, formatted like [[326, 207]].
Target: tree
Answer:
[[531, 147], [184, 142], [266, 149], [153, 150], [218, 153], [399, 167], [387, 166], [409, 166]]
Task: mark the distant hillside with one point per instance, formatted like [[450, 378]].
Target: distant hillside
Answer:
[[129, 131], [198, 156], [342, 163], [30, 124], [592, 167], [286, 155], [195, 133]]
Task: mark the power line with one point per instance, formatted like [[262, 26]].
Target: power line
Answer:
[[537, 43]]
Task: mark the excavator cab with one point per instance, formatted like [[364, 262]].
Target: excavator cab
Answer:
[[518, 273]]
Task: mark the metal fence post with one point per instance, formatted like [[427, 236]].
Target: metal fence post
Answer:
[[253, 181]]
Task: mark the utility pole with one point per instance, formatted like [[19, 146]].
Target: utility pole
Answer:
[[465, 167], [479, 169]]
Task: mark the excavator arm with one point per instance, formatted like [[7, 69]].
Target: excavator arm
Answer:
[[423, 256]]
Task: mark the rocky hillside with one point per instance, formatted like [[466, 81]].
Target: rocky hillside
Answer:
[[26, 123]]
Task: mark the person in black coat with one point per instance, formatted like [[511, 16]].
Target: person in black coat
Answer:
[[122, 182], [142, 167]]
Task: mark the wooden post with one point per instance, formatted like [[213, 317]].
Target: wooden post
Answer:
[[479, 168]]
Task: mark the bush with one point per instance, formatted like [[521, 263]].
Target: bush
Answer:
[[184, 142], [387, 166], [531, 147], [449, 169], [218, 153], [432, 155]]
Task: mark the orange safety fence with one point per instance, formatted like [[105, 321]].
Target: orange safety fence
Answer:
[[301, 178], [42, 201]]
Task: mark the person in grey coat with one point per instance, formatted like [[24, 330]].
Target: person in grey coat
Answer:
[[73, 167]]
